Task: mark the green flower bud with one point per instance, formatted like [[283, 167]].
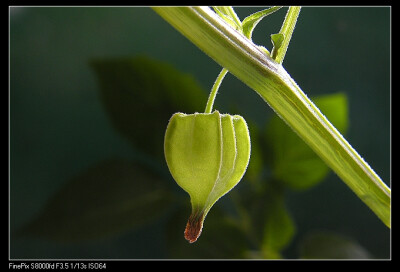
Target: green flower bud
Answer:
[[207, 155]]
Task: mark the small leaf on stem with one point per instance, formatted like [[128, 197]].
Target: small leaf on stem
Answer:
[[278, 53], [251, 21]]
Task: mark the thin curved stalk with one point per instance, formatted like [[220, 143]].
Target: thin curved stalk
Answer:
[[214, 90], [270, 80]]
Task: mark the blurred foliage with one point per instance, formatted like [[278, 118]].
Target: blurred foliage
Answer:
[[294, 163], [140, 95], [325, 245], [110, 197]]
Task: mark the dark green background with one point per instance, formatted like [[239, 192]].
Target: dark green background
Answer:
[[58, 126]]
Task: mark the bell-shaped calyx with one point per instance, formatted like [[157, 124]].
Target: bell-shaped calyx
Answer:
[[207, 155]]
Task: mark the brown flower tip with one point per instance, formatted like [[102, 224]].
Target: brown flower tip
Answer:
[[194, 227]]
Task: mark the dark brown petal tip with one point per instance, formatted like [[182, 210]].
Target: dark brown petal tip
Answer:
[[194, 227]]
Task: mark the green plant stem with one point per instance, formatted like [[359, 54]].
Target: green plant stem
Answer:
[[287, 30], [214, 90], [270, 80], [230, 14]]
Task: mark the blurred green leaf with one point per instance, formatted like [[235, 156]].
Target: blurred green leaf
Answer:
[[272, 225], [221, 238], [322, 245], [279, 227], [141, 94], [294, 163], [110, 197], [335, 108], [266, 221]]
